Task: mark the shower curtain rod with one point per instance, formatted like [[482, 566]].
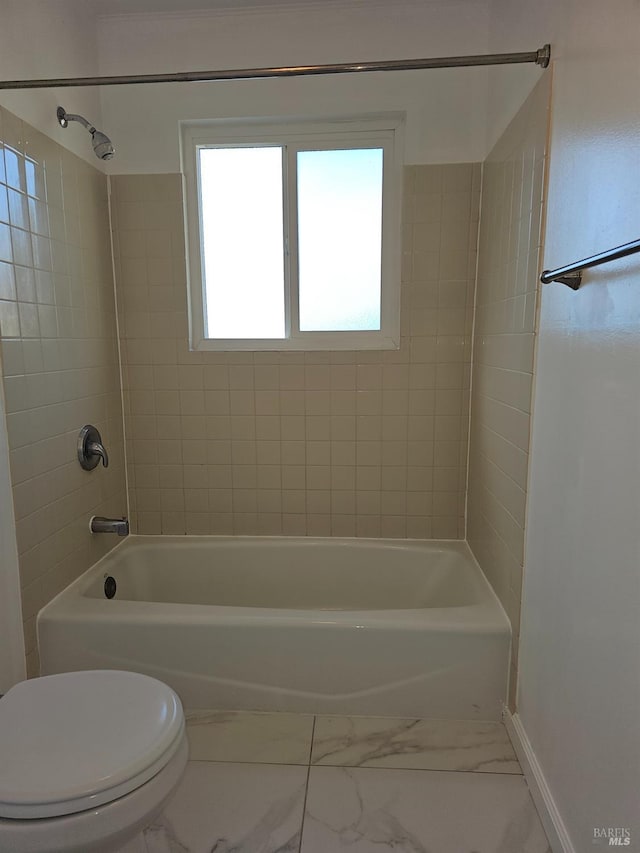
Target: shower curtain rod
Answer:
[[540, 57]]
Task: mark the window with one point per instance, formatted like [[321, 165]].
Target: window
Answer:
[[293, 234]]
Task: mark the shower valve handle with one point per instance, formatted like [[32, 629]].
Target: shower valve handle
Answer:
[[91, 449]]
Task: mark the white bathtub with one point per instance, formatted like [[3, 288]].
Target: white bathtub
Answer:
[[344, 626]]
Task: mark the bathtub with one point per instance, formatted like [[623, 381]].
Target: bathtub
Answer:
[[332, 626]]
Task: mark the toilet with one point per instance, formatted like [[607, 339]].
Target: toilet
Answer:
[[87, 760]]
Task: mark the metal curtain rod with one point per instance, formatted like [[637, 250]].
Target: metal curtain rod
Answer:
[[571, 275], [540, 57]]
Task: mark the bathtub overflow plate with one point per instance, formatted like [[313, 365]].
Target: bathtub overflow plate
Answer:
[[110, 586]]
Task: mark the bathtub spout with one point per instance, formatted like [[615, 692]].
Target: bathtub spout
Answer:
[[99, 524]]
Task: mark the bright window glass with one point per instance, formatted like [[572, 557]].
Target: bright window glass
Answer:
[[242, 242], [339, 239]]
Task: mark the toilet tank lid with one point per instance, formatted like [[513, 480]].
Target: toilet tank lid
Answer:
[[73, 741]]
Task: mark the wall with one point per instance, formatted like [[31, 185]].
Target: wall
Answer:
[[342, 443], [579, 690], [298, 33], [12, 660], [40, 38], [59, 357], [509, 252]]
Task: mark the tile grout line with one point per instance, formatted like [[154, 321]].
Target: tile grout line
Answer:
[[357, 767], [306, 787], [313, 734], [422, 770], [308, 761]]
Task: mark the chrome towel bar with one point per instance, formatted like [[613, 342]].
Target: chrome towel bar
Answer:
[[571, 274]]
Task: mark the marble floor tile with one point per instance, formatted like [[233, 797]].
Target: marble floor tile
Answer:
[[241, 736], [413, 744], [231, 808], [366, 810]]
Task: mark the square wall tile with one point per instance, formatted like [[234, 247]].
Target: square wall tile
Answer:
[[306, 419], [503, 353], [60, 359]]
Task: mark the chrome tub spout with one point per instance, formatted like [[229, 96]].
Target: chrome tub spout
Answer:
[[100, 524]]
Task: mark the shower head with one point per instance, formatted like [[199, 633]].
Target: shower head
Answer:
[[102, 145]]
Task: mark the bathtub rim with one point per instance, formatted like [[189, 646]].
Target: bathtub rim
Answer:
[[485, 616]]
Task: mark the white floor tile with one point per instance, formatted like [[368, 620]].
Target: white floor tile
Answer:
[[413, 744], [241, 736], [244, 808], [419, 811]]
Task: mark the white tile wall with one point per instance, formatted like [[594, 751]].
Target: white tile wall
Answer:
[[505, 325], [59, 359], [322, 444]]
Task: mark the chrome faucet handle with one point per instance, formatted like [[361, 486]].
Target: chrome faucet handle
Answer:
[[91, 449], [95, 448]]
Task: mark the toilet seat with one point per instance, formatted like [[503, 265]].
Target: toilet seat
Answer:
[[72, 742]]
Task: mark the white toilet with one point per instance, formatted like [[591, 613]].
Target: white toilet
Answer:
[[87, 760]]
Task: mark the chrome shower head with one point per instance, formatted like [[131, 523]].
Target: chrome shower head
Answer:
[[102, 145]]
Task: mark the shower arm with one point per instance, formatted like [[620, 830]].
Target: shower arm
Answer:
[[64, 118], [83, 121]]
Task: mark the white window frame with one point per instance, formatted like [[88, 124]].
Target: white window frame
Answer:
[[384, 132]]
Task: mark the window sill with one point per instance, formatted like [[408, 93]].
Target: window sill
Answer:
[[313, 343]]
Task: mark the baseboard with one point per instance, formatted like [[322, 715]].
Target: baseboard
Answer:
[[545, 804]]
